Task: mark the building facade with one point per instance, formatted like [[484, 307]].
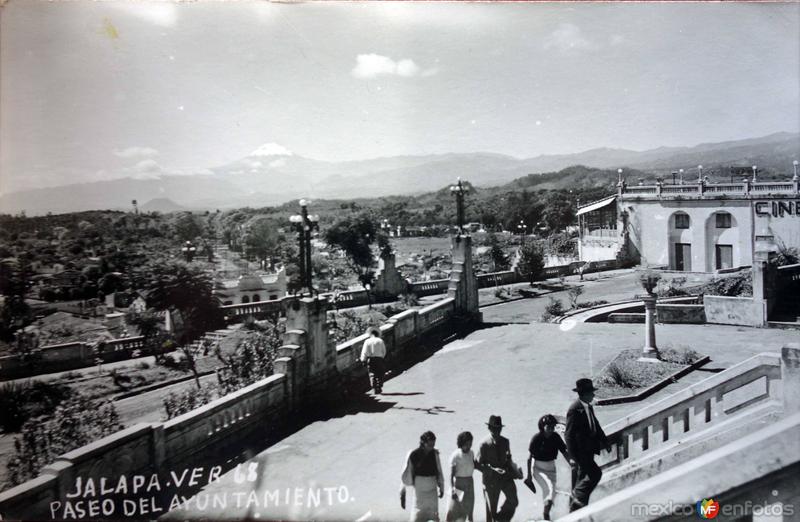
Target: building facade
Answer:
[[693, 227]]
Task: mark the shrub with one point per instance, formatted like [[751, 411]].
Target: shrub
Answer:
[[22, 401], [731, 286], [590, 304], [574, 293], [683, 356], [617, 374], [178, 403], [554, 308], [649, 280], [74, 423], [251, 361], [672, 288]]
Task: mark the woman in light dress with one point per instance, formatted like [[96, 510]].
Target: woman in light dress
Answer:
[[462, 466], [423, 472]]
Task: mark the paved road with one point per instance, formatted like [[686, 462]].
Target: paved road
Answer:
[[519, 371]]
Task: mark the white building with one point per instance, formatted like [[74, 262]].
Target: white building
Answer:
[[252, 288], [692, 227]]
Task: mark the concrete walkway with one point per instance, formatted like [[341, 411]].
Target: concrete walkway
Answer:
[[518, 371]]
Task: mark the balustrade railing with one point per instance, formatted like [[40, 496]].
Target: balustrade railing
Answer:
[[692, 409], [745, 188]]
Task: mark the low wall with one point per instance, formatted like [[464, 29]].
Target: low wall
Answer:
[[402, 333], [146, 449], [499, 278], [421, 289], [69, 356], [740, 311], [668, 313], [631, 317]]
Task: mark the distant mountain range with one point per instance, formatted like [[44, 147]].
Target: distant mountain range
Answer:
[[272, 175]]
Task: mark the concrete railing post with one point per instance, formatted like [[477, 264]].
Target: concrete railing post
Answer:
[[463, 285], [790, 378]]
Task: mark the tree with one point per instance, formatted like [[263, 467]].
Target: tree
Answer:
[[188, 227], [251, 361], [355, 235], [531, 261], [499, 258], [264, 239], [190, 292], [558, 213], [14, 312]]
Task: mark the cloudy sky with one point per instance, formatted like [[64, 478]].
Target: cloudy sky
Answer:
[[96, 90]]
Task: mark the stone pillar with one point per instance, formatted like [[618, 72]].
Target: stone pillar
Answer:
[[463, 285], [389, 282], [790, 378], [650, 350], [310, 315], [762, 286]]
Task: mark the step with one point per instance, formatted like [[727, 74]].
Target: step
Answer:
[[672, 454], [785, 325]]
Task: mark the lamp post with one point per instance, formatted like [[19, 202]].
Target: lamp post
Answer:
[[699, 173], [305, 224], [755, 172], [188, 251], [459, 190], [619, 177], [522, 228]]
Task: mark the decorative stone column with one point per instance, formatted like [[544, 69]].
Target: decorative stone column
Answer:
[[463, 285], [650, 349], [306, 343]]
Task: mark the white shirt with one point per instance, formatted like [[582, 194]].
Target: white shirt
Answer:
[[587, 408], [373, 347], [463, 462]]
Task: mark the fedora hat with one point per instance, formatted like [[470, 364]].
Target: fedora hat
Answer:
[[583, 386], [495, 421]]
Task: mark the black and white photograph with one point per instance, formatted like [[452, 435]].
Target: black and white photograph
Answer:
[[385, 261]]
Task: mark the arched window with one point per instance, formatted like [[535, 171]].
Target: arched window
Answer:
[[256, 298], [681, 220], [245, 299]]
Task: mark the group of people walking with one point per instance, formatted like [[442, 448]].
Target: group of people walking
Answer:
[[584, 439]]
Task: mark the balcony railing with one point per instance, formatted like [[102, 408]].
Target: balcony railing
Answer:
[[744, 189]]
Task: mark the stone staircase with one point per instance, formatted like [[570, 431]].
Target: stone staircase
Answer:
[[664, 450]]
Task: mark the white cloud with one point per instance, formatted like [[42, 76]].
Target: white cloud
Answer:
[[616, 39], [271, 149], [374, 65], [151, 169], [136, 152], [568, 37]]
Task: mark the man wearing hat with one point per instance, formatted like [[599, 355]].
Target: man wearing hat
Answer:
[[494, 459], [585, 438], [373, 353]]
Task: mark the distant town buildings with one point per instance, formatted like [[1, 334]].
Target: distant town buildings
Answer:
[[692, 227]]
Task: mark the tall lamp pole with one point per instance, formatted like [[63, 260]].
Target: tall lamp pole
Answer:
[[459, 190], [305, 224]]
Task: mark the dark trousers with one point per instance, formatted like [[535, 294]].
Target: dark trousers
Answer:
[[376, 370], [585, 480], [509, 490]]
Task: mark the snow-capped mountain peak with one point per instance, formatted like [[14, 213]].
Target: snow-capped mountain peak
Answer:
[[271, 149]]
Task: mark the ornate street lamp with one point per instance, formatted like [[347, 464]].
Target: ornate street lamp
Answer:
[[305, 224], [522, 228], [459, 190], [188, 251]]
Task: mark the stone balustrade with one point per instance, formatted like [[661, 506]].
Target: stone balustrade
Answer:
[[695, 408], [744, 189]]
